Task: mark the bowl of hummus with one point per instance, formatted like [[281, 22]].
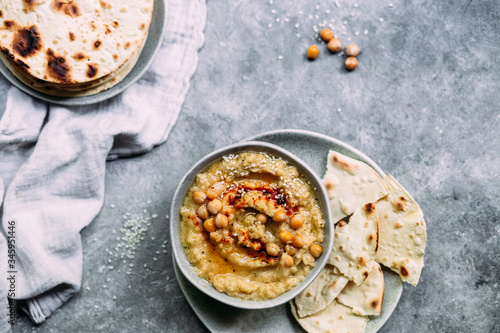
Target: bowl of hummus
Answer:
[[251, 225]]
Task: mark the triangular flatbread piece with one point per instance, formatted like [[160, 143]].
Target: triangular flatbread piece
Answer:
[[367, 298], [335, 317], [321, 292], [350, 184], [356, 243], [402, 233]]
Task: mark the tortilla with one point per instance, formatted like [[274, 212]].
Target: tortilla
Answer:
[[335, 317], [321, 292], [402, 233], [367, 298], [72, 44], [350, 185], [356, 244]]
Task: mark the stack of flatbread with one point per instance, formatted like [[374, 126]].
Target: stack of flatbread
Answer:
[[72, 47], [377, 221]]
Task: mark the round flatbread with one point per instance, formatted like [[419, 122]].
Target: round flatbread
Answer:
[[72, 45]]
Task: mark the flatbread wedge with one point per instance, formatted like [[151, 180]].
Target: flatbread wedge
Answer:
[[402, 233], [335, 318], [367, 298], [321, 292], [350, 184], [356, 244]]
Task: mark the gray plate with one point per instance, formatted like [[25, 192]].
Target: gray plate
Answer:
[[313, 149], [153, 43]]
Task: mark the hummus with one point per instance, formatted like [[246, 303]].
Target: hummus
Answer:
[[252, 226]]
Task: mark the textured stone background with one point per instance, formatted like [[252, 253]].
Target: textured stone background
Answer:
[[424, 103]]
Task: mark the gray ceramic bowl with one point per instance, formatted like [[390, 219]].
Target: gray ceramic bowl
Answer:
[[178, 252]]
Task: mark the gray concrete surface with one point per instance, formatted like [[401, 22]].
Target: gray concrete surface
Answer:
[[424, 103]]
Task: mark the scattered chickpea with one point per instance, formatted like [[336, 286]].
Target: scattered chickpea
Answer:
[[326, 34], [221, 221], [214, 206], [199, 197], [352, 50], [262, 218], [297, 221], [351, 63], [211, 194], [298, 241], [279, 216], [202, 212], [316, 250], [272, 249], [285, 236], [334, 45], [312, 52], [286, 260], [209, 225], [291, 250]]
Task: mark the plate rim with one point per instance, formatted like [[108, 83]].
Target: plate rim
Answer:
[[135, 74], [353, 151]]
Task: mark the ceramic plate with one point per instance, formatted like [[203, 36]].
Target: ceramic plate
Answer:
[[153, 43], [313, 149]]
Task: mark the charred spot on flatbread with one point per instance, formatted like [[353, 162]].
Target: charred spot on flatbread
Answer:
[[67, 7], [9, 23], [105, 4], [343, 164], [57, 67], [370, 208], [22, 64], [400, 203], [92, 70], [97, 44], [30, 5], [374, 303], [72, 36], [404, 271], [80, 56], [1, 13], [27, 41]]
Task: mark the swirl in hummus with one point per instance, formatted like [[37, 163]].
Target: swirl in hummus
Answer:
[[252, 226]]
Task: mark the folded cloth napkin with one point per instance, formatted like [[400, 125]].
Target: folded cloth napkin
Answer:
[[53, 158]]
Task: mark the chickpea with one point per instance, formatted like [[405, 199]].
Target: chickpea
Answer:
[[199, 197], [312, 52], [297, 221], [298, 241], [214, 206], [211, 194], [291, 250], [262, 218], [209, 225], [221, 221], [351, 63], [286, 260], [285, 236], [202, 212], [316, 250], [326, 34], [279, 216], [272, 249], [352, 50], [334, 45]]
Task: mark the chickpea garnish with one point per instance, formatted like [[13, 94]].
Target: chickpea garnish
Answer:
[[272, 249], [326, 34], [297, 221], [352, 50], [351, 63], [221, 221], [286, 260], [214, 206], [285, 236], [211, 194], [316, 250], [262, 218], [209, 225], [202, 212], [279, 216], [334, 45], [312, 52], [291, 250], [298, 241], [199, 197]]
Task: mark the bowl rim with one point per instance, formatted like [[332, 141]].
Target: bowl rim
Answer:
[[181, 190]]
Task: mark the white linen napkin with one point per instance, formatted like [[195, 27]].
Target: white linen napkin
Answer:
[[53, 160]]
